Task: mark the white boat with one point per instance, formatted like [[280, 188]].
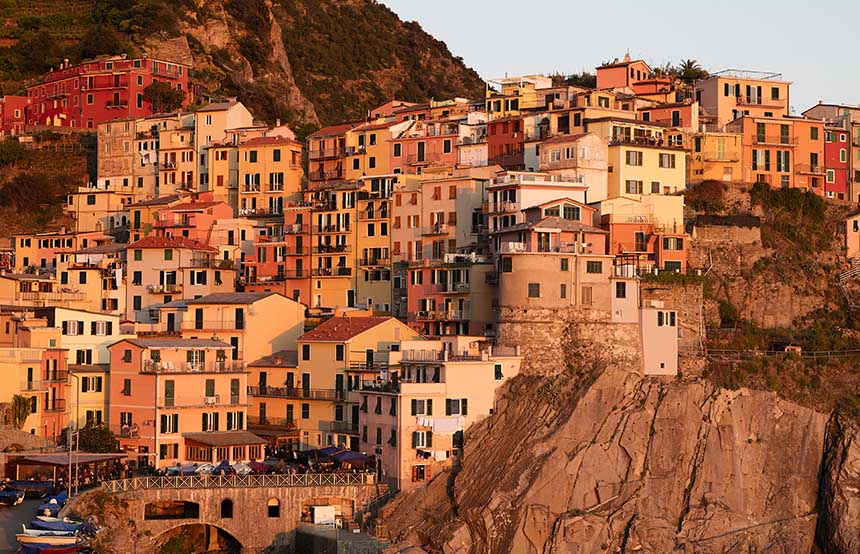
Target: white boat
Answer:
[[42, 539], [47, 533]]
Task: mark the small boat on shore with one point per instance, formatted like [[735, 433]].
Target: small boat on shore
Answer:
[[66, 540], [11, 498]]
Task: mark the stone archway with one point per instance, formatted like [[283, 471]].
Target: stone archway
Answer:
[[197, 537]]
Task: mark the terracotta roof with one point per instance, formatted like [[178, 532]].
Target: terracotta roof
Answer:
[[376, 126], [341, 329], [178, 343], [158, 201], [194, 206], [333, 130], [171, 242], [231, 298], [224, 438], [284, 358], [106, 248], [564, 138]]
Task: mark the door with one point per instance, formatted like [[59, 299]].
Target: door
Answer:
[[171, 322], [350, 298], [338, 384], [306, 383], [169, 392], [420, 151], [368, 358], [264, 380], [291, 382]]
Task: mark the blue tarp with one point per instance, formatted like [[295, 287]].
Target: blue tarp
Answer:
[[225, 467], [350, 456], [329, 451], [55, 525]]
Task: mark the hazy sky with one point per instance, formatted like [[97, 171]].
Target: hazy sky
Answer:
[[814, 47]]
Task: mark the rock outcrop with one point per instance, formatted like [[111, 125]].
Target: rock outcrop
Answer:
[[623, 463]]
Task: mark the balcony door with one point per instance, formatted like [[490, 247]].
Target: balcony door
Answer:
[[169, 392]]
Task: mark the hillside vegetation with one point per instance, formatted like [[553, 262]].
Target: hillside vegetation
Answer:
[[308, 62]]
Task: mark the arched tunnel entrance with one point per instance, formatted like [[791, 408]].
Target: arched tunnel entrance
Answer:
[[198, 538]]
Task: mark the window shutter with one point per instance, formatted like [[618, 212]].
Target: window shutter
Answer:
[[428, 438], [215, 423], [98, 384], [92, 327], [242, 421], [464, 410], [429, 406], [65, 327], [110, 327], [163, 423], [175, 422], [205, 423], [229, 421], [189, 356], [414, 439], [414, 407], [447, 406]]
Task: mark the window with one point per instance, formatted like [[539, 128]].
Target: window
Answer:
[[665, 319], [446, 146], [138, 255], [306, 410], [422, 439], [667, 161], [831, 176], [655, 187], [169, 423], [338, 352], [91, 200], [620, 289], [563, 292], [306, 352], [136, 302], [565, 264], [534, 290], [226, 508], [456, 406], [419, 473], [593, 267], [126, 387], [273, 508], [813, 133], [168, 254], [843, 155], [507, 265], [421, 407], [673, 243], [497, 372], [634, 157], [397, 147], [774, 93], [633, 187]]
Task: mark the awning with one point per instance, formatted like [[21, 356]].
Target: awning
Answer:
[[62, 458], [224, 438]]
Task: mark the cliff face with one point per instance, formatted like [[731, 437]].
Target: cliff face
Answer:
[[312, 62], [626, 464]]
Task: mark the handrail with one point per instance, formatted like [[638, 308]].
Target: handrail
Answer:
[[239, 481]]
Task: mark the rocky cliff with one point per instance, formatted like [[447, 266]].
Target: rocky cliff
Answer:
[[627, 464], [312, 62]]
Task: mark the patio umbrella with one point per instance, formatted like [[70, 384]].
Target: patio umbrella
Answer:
[[224, 467], [204, 469], [258, 467], [242, 468]]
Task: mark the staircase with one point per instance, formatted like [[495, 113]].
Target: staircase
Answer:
[[848, 275], [368, 515]]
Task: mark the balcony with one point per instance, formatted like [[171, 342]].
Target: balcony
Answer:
[[116, 105], [719, 156], [273, 421], [58, 405], [251, 187], [415, 159], [438, 229], [776, 140], [456, 288], [57, 376], [326, 229], [373, 214], [34, 386], [64, 296], [343, 427], [126, 431], [198, 401], [220, 366], [213, 325], [164, 289], [297, 393], [425, 315], [753, 100], [372, 262], [296, 229], [504, 207], [807, 169], [275, 187], [642, 141], [326, 153], [331, 249], [372, 366], [332, 272], [454, 315], [211, 262], [434, 356], [324, 206], [329, 175], [168, 165]]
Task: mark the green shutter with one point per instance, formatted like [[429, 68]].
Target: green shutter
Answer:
[[414, 406], [464, 410], [414, 439], [428, 439], [447, 406], [429, 406]]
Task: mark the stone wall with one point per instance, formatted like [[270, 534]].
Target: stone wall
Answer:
[[727, 233], [553, 339]]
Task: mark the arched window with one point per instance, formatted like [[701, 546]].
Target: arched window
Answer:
[[274, 508], [226, 508]]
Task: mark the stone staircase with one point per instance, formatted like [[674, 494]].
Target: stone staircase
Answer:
[[368, 515], [846, 276]]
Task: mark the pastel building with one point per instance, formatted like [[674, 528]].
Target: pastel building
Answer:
[[38, 373], [270, 174], [415, 416], [730, 94], [39, 250], [714, 156], [180, 400], [582, 158], [424, 144]]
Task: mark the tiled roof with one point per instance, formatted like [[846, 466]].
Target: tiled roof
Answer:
[[334, 130], [555, 222], [178, 343], [564, 138], [171, 242], [339, 329], [284, 358], [263, 141], [161, 200], [230, 298], [194, 206], [106, 248], [377, 126]]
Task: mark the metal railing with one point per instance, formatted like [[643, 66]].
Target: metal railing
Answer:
[[774, 139], [239, 481], [57, 405], [809, 169], [33, 386], [267, 391], [375, 261], [331, 249], [326, 153], [332, 272], [166, 288], [276, 421], [185, 367], [53, 296]]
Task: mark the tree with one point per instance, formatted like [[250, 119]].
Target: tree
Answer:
[[21, 409], [163, 97], [93, 438], [690, 71]]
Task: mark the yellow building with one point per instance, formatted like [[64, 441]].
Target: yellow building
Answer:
[[368, 148], [640, 159], [26, 289], [333, 224], [178, 163], [143, 214], [269, 173], [374, 243], [333, 360], [212, 124], [509, 96], [714, 156], [96, 209]]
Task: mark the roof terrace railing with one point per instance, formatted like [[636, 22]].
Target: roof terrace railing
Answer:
[[239, 481]]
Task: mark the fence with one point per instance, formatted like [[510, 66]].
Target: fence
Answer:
[[752, 354], [239, 481]]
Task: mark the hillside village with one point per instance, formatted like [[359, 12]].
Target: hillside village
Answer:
[[224, 290]]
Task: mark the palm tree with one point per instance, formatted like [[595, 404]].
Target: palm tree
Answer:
[[690, 71], [20, 410]]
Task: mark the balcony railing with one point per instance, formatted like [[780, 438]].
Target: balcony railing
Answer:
[[250, 481], [214, 324], [126, 431], [34, 386], [344, 427], [296, 229], [326, 153], [275, 187], [251, 188], [322, 229], [375, 261], [298, 393], [438, 229], [505, 207], [56, 406], [275, 421], [332, 272], [808, 169], [219, 366], [452, 287], [372, 366], [426, 158], [66, 296], [755, 100], [198, 401], [373, 214], [164, 289], [57, 376], [774, 139], [331, 249]]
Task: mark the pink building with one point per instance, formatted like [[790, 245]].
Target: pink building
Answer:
[[193, 219], [425, 144], [13, 111], [180, 400], [836, 154], [282, 259]]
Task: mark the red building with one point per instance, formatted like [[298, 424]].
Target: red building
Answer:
[[13, 111], [505, 144], [836, 152], [85, 95]]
